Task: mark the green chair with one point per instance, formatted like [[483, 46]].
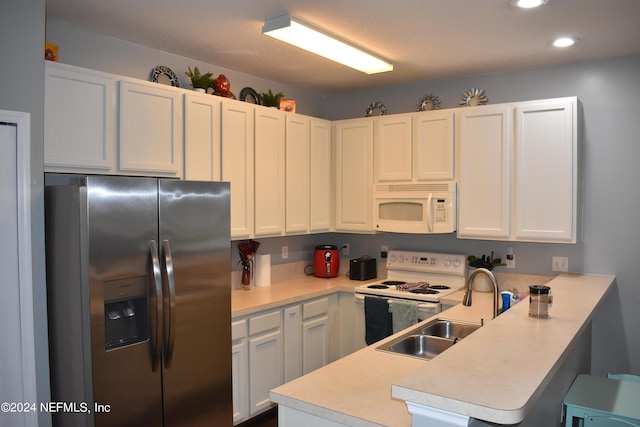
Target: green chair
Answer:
[[603, 402]]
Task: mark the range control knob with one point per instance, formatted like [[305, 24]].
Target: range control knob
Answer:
[[456, 262]]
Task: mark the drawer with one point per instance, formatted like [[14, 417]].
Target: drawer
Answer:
[[315, 308], [265, 322], [238, 329]]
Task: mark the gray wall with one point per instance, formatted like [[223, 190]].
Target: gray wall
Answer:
[[608, 91], [22, 32]]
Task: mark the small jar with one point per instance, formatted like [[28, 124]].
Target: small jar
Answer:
[[539, 301]]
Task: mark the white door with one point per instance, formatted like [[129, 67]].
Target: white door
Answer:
[[17, 366]]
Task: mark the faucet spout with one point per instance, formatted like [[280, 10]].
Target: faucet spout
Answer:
[[467, 296]]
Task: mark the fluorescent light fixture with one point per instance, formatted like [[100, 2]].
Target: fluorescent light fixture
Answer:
[[293, 31], [529, 4], [564, 42]]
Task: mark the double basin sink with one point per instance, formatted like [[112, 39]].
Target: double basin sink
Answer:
[[427, 341]]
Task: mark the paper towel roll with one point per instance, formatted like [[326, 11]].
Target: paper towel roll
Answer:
[[263, 270]]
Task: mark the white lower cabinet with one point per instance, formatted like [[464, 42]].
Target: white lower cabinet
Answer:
[[265, 359], [240, 370], [273, 347], [315, 335], [256, 362]]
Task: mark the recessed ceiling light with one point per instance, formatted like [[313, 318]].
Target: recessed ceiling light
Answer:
[[529, 4], [564, 42]]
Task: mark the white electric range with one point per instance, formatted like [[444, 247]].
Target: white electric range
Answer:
[[419, 276]]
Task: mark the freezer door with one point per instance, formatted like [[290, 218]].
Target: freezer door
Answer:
[[122, 223], [196, 263]]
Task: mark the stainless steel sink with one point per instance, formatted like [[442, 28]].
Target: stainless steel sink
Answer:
[[449, 329], [427, 341]]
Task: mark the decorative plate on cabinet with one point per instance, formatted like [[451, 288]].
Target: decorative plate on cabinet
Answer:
[[473, 97], [164, 75], [249, 95], [428, 103], [376, 109]]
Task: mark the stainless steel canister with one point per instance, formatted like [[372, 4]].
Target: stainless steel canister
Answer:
[[539, 300]]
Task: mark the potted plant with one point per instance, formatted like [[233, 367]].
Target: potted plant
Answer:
[[482, 283], [270, 99], [199, 80]]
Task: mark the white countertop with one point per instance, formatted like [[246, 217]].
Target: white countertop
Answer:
[[475, 377]]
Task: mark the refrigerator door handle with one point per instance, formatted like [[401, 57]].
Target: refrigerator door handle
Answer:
[[170, 301], [155, 316]]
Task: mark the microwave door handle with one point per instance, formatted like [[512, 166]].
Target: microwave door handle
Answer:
[[430, 212]]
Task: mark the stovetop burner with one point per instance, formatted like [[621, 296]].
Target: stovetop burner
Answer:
[[378, 286], [442, 287], [394, 282]]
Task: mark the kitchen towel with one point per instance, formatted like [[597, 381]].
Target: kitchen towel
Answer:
[[378, 321], [404, 314], [263, 270]]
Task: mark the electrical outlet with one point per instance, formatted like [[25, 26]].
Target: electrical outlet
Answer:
[[285, 252], [384, 251], [345, 249], [560, 264]]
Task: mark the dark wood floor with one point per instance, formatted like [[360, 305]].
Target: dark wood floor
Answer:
[[267, 419]]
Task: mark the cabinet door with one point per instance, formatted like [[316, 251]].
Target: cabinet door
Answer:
[[433, 142], [315, 334], [237, 164], [321, 177], [269, 171], [240, 367], [297, 173], [201, 137], [150, 140], [545, 176], [292, 353], [79, 120], [315, 342], [485, 172], [393, 148], [265, 369], [354, 175]]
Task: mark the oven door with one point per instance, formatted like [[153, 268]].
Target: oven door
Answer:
[[425, 311], [419, 213]]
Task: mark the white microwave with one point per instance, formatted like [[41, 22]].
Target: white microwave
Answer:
[[427, 208]]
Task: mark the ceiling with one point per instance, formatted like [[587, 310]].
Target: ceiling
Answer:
[[424, 39]]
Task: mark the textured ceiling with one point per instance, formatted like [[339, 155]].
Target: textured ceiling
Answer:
[[424, 39]]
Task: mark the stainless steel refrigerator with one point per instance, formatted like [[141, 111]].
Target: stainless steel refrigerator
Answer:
[[138, 278]]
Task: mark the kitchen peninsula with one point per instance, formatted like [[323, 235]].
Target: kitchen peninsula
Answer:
[[513, 370]]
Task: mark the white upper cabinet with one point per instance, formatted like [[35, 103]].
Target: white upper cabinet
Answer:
[[269, 167], [484, 192], [202, 137], [518, 171], [308, 175], [237, 125], [545, 173], [298, 163], [353, 141], [414, 147], [433, 146], [80, 120], [90, 127], [393, 148], [321, 177], [150, 129]]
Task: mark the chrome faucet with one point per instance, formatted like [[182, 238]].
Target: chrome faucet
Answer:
[[467, 296]]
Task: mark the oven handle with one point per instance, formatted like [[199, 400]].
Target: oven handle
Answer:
[[423, 305]]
